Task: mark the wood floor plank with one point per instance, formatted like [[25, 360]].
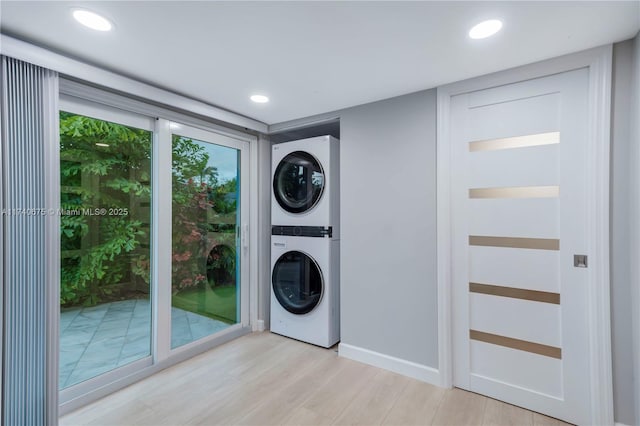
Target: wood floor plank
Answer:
[[542, 420], [333, 397], [371, 404], [266, 379], [108, 414], [459, 407], [315, 373], [267, 413], [498, 413], [301, 416], [416, 405]]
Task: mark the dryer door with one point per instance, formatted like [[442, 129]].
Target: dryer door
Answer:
[[298, 182], [297, 282]]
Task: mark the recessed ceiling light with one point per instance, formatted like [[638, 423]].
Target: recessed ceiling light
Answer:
[[485, 29], [92, 20], [259, 99], [102, 144]]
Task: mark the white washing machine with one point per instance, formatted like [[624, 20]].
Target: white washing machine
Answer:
[[305, 176], [305, 285]]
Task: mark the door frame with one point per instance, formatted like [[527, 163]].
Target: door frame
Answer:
[[599, 62]]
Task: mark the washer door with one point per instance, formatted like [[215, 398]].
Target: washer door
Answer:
[[298, 182], [297, 282]]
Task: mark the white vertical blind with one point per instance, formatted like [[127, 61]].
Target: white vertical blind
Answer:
[[30, 231]]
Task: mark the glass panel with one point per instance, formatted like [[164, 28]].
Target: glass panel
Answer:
[[105, 318], [298, 182], [297, 282], [205, 258]]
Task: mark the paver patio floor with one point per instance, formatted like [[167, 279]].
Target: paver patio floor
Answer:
[[100, 338]]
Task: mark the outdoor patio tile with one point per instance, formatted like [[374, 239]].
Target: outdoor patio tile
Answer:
[[141, 316], [201, 330], [90, 315], [130, 359], [100, 338], [72, 337], [119, 324], [136, 327], [67, 316], [179, 341], [142, 305], [81, 320], [83, 373], [82, 329], [179, 321], [96, 354], [90, 363], [70, 356], [95, 310], [134, 351], [124, 306], [103, 335], [138, 336], [143, 340], [106, 344], [65, 373], [116, 309]]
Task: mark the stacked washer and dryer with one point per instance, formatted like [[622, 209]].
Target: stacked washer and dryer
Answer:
[[305, 240]]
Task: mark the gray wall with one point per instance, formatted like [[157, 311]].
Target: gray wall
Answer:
[[388, 219], [621, 300], [635, 216]]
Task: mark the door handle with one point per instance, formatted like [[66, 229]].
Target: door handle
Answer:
[[243, 236], [580, 260]]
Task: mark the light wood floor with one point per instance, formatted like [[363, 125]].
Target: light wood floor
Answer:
[[266, 379]]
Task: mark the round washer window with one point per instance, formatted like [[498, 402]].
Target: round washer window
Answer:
[[297, 282], [298, 182]]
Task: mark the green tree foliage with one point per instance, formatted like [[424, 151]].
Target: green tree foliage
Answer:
[[103, 166], [107, 166], [191, 204]]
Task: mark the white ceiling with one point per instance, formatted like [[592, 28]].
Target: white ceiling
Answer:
[[315, 57]]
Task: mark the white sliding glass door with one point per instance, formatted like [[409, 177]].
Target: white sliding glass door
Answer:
[[105, 252], [154, 244], [209, 218]]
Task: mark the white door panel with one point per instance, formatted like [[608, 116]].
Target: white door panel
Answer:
[[529, 217], [528, 269], [501, 364], [515, 118], [515, 167], [528, 91], [518, 198], [528, 320]]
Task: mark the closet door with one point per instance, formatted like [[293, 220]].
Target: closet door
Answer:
[[519, 201]]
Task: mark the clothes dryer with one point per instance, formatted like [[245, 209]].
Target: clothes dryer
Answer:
[[305, 285]]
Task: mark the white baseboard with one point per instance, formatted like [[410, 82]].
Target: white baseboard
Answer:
[[259, 325], [387, 362], [619, 424]]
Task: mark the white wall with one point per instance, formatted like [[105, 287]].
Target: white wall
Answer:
[[388, 241], [264, 225], [621, 283]]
